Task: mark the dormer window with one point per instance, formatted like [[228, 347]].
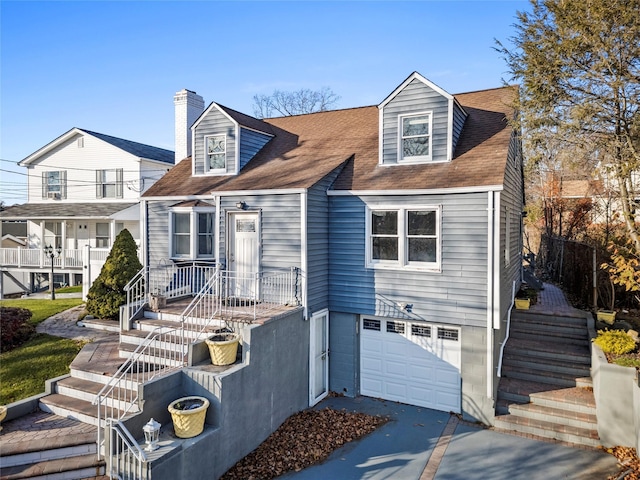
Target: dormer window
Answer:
[[415, 137], [216, 153]]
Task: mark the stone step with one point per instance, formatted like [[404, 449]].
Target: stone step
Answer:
[[542, 318], [73, 408], [532, 348], [559, 416], [549, 430], [519, 391], [73, 468], [528, 362], [577, 399], [153, 360], [119, 398], [552, 378], [45, 449]]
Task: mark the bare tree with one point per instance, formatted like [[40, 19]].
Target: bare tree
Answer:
[[283, 103]]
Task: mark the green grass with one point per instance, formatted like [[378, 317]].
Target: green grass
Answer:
[[42, 308], [25, 369], [74, 289]]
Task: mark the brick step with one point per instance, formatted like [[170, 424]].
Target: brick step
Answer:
[[531, 334], [577, 399], [565, 353], [524, 361], [153, 361], [27, 452], [88, 390], [83, 466], [550, 430], [531, 317], [74, 408], [552, 378], [520, 391], [560, 416], [550, 331]]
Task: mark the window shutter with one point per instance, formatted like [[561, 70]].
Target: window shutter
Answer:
[[98, 183], [119, 183], [44, 185], [63, 184]]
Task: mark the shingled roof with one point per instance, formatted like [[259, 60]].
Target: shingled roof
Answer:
[[305, 148], [134, 148], [62, 210]]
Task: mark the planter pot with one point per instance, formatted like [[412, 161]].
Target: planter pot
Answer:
[[3, 414], [606, 316], [522, 303], [156, 302], [223, 348], [188, 414]]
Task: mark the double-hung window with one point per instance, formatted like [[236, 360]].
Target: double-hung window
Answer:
[[192, 233], [109, 183], [415, 137], [54, 184], [215, 153], [404, 237]]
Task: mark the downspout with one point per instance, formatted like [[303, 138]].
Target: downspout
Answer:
[[490, 252], [143, 233], [303, 251], [216, 229], [497, 212]]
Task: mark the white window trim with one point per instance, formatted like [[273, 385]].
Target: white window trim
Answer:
[[418, 159], [215, 171], [402, 263], [193, 232]]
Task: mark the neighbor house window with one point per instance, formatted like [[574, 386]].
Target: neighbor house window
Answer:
[[109, 183], [192, 234], [54, 185], [415, 137], [404, 237], [53, 234], [216, 152], [102, 235]]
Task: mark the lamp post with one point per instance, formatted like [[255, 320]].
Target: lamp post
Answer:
[[52, 253]]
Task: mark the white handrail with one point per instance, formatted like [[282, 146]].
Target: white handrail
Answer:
[[125, 457], [506, 337]]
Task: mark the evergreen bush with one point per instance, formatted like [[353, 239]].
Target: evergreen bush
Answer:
[[15, 328], [107, 292]]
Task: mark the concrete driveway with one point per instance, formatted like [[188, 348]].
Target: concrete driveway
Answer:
[[412, 446]]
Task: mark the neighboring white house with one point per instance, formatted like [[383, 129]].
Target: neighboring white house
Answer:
[[83, 189]]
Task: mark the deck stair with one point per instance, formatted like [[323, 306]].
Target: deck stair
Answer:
[[545, 389]]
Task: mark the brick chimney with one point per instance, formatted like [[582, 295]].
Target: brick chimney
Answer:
[[188, 107]]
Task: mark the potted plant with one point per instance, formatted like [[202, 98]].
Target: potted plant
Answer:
[[3, 413], [188, 415], [223, 347], [525, 298]]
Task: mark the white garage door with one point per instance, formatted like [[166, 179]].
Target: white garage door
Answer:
[[413, 363]]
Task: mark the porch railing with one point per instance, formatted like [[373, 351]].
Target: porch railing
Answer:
[[125, 459], [35, 257]]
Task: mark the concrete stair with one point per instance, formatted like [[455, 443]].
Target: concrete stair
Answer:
[[66, 457], [545, 388]]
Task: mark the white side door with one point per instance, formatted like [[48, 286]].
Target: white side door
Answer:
[[243, 260], [319, 357]]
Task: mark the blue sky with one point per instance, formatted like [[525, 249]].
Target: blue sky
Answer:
[[113, 66]]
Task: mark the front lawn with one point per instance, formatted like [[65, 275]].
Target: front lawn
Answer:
[[24, 370], [42, 308]]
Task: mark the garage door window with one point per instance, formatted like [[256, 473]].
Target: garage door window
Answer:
[[395, 327], [448, 334]]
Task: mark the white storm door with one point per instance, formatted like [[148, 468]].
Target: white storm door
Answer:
[[319, 357], [244, 255]]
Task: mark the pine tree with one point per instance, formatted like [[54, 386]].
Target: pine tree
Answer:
[[107, 292]]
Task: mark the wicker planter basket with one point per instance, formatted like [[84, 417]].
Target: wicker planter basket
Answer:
[[188, 419], [223, 348]]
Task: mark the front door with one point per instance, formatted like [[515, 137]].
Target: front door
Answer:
[[244, 255], [319, 357], [82, 235]]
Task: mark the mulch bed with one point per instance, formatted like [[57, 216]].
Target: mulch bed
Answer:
[[304, 439]]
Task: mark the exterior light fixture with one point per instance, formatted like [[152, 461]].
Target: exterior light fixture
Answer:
[[52, 253], [241, 205], [151, 435]]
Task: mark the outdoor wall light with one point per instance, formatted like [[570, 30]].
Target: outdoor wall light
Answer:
[[151, 435], [241, 205]]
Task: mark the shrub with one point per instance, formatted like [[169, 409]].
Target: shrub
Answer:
[[616, 342], [15, 328], [107, 292]]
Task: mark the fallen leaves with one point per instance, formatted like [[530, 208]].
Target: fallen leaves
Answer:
[[628, 462], [304, 439]]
